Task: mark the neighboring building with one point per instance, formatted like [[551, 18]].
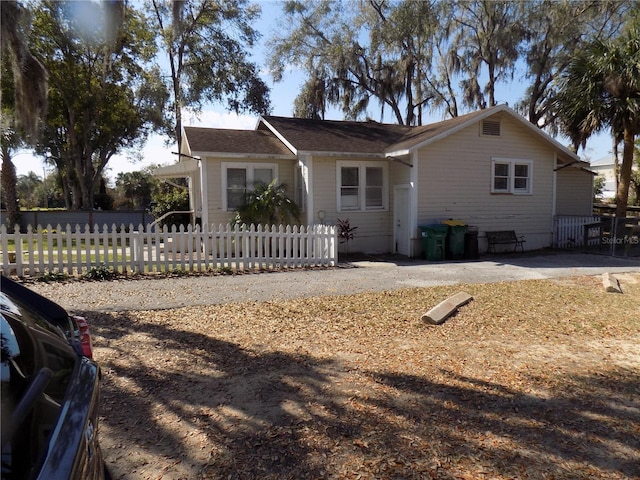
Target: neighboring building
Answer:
[[605, 167], [492, 169]]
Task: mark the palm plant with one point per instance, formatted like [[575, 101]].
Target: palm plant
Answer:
[[267, 204], [600, 90]]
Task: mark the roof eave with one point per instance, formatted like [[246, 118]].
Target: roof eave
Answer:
[[398, 153], [272, 156], [320, 153]]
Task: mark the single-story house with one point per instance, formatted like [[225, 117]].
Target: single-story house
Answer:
[[491, 169]]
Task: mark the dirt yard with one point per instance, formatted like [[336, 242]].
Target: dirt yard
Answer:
[[532, 379]]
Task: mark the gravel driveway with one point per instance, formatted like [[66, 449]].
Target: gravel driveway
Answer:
[[375, 274]]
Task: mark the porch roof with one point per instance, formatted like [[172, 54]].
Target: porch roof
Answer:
[[181, 169]]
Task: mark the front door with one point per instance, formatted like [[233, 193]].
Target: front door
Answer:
[[401, 219]]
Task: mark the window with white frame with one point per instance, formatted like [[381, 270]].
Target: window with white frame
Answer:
[[299, 188], [239, 178], [362, 186], [511, 176]]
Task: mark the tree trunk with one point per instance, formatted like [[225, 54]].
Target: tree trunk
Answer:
[[76, 194], [9, 193], [87, 180], [625, 174], [616, 164]]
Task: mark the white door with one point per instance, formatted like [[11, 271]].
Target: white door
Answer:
[[401, 219]]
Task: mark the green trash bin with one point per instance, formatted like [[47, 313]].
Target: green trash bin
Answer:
[[433, 241], [454, 247]]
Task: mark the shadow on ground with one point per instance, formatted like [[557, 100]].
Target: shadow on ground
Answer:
[[544, 258], [192, 406]]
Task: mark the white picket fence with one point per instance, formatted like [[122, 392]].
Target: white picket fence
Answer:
[[138, 250], [569, 230]]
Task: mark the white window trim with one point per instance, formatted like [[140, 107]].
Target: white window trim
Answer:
[[511, 189], [299, 186], [249, 167], [362, 191]]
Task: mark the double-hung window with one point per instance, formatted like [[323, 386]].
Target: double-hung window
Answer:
[[239, 178], [362, 186], [299, 188], [511, 176]]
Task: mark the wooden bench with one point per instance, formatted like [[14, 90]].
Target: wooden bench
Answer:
[[504, 237]]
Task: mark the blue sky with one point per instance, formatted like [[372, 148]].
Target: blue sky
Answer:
[[282, 98]]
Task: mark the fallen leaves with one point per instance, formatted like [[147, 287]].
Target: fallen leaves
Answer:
[[536, 379]]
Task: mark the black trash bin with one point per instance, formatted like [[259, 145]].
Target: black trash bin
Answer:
[[471, 243]]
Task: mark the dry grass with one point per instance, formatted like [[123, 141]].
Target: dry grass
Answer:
[[535, 379]]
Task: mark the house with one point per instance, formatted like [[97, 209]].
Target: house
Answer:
[[491, 169], [606, 168]]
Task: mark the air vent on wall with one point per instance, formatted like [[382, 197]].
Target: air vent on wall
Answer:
[[491, 127]]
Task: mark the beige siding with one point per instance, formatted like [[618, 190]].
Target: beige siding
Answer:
[[575, 192], [286, 172], [374, 234], [455, 182], [214, 192], [399, 173]]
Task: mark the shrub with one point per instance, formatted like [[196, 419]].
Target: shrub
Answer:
[[53, 277], [100, 272]]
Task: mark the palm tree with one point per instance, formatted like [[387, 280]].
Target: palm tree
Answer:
[[267, 205], [600, 90]]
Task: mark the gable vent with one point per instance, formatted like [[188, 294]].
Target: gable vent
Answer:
[[491, 127]]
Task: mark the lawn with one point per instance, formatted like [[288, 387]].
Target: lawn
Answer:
[[532, 379]]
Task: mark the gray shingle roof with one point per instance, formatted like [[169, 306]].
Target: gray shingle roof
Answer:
[[336, 136], [220, 140], [332, 136]]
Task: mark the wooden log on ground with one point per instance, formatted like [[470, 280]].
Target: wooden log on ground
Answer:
[[611, 283], [446, 308]]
